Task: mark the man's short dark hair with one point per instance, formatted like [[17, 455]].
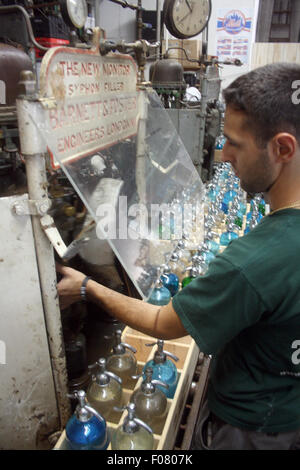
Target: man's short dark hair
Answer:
[[266, 96]]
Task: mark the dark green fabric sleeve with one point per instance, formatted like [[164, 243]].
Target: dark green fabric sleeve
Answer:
[[216, 307]]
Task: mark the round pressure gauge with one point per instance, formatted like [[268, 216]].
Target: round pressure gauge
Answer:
[[186, 18], [74, 12]]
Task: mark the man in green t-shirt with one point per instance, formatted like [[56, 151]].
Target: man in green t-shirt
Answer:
[[245, 311]]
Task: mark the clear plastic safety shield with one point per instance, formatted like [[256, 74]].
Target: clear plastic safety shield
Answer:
[[123, 156]]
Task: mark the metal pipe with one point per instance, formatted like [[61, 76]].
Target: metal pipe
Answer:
[[204, 94], [125, 4], [33, 150], [140, 170], [158, 25], [139, 21], [97, 13], [9, 8]]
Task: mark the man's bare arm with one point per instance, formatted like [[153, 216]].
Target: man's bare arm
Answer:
[[159, 322]]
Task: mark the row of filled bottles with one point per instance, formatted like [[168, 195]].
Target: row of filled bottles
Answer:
[[227, 216], [147, 407]]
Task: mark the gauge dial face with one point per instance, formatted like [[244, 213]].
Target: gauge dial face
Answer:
[[77, 11], [188, 18]]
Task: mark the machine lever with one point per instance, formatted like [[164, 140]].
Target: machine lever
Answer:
[[65, 253]]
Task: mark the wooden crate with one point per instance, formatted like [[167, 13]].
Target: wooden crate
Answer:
[[187, 352], [218, 156]]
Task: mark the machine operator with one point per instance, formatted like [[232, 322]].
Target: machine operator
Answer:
[[245, 311]]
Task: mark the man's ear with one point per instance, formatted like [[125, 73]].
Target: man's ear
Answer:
[[283, 147]]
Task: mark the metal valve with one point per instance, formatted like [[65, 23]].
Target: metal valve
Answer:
[[132, 424], [210, 234], [193, 271], [119, 347], [83, 410], [141, 49], [160, 354], [118, 335], [102, 377], [148, 379]]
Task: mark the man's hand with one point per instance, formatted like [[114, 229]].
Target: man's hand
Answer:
[[159, 322], [69, 287]]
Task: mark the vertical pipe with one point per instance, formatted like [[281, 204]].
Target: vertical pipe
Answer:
[[140, 170], [139, 20], [204, 92], [33, 150], [158, 25], [97, 13]]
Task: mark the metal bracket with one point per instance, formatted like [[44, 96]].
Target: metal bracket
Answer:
[[40, 208], [53, 234], [31, 207], [48, 103], [65, 253]]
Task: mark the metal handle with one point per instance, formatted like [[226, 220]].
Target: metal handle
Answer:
[[119, 409], [90, 367], [130, 418], [214, 234], [9, 8], [95, 413], [100, 363], [125, 47], [128, 346], [159, 382], [167, 353], [114, 377], [81, 397], [143, 425], [136, 377], [160, 343], [74, 248]]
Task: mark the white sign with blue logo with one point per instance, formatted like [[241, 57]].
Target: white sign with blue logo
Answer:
[[234, 34]]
